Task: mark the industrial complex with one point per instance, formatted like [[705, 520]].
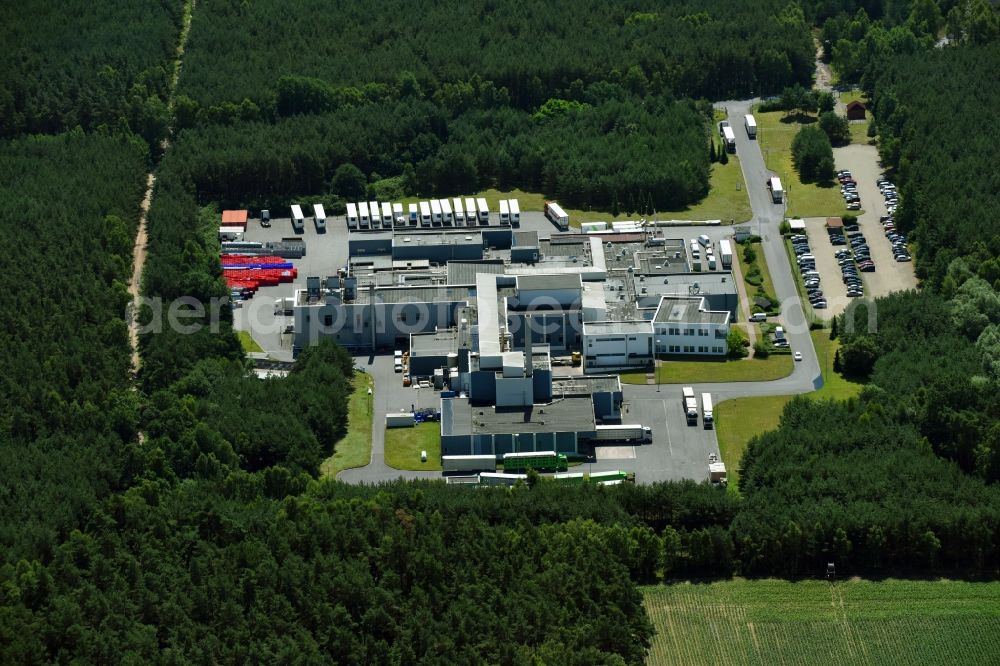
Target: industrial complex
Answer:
[[482, 312]]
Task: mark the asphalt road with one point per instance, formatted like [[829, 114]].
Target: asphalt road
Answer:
[[389, 394], [678, 450]]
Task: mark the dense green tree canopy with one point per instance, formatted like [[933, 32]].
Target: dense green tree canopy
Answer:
[[73, 64], [715, 49], [210, 539]]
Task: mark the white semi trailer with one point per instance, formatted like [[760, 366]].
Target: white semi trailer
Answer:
[[483, 463], [298, 219], [623, 433], [557, 215], [706, 411], [364, 216], [726, 253], [690, 404], [777, 194], [729, 138], [386, 215], [319, 215]]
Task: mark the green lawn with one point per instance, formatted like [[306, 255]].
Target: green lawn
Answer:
[[816, 622], [859, 130], [775, 366], [403, 447], [737, 421], [355, 449], [248, 343], [835, 386], [810, 200], [766, 285]]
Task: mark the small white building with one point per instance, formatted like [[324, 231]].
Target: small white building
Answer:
[[617, 344]]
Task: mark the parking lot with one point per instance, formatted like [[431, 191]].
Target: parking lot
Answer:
[[678, 450], [889, 275], [831, 280]]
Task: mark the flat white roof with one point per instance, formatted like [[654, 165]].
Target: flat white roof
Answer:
[[297, 212]]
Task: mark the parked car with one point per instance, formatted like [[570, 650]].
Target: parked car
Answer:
[[758, 316]]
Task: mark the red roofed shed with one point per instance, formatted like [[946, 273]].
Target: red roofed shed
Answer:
[[235, 218], [856, 110]]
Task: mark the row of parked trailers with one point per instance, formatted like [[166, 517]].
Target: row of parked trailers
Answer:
[[457, 212], [512, 462], [612, 478]]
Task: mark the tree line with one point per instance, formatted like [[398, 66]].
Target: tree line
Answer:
[[604, 146], [718, 50]]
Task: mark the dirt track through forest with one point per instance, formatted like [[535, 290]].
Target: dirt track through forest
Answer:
[[141, 235]]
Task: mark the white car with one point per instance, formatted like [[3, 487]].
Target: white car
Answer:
[[797, 356]]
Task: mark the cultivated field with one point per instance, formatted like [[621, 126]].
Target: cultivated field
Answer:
[[815, 622]]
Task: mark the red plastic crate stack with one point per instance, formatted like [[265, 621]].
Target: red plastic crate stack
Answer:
[[250, 279], [242, 259]]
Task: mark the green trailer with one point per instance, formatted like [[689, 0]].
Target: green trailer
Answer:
[[616, 476], [548, 461]]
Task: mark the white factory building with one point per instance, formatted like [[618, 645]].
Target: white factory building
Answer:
[[618, 302], [680, 325]]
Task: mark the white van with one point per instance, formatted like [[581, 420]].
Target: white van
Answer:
[[704, 240]]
